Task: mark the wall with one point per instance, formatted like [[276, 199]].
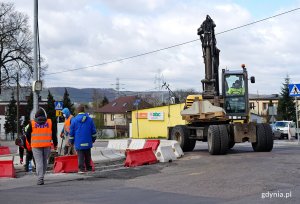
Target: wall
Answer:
[[118, 119], [154, 126], [261, 106]]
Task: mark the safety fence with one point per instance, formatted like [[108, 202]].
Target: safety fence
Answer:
[[135, 152]]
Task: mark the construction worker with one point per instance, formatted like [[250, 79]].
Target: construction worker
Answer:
[[236, 88], [40, 134], [82, 134], [68, 149], [23, 143]]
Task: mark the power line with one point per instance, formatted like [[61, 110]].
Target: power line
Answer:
[[172, 46]]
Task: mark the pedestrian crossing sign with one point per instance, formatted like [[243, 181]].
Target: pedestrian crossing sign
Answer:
[[294, 89], [58, 105]]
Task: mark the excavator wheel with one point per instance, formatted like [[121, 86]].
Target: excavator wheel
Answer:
[[224, 139], [264, 138], [269, 137], [181, 134], [213, 140], [217, 139]]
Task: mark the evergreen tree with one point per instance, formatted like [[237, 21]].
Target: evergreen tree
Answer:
[[28, 109], [10, 125], [105, 101], [50, 110], [286, 107], [67, 102]]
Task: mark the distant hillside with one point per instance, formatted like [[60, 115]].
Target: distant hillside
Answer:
[[76, 95], [85, 95], [82, 95]]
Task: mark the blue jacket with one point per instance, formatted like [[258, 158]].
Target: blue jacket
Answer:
[[81, 132]]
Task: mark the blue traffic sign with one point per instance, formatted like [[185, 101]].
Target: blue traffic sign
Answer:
[[58, 105], [294, 89], [137, 102]]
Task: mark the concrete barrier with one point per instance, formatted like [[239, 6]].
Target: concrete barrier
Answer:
[[97, 155], [104, 154], [121, 145], [165, 154], [175, 145], [137, 144]]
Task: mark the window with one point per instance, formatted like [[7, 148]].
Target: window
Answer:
[[252, 105], [234, 84], [112, 117], [265, 106], [125, 104], [115, 103]]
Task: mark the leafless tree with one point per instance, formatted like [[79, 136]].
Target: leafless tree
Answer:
[[16, 47], [183, 93]]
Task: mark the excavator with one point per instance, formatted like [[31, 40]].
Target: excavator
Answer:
[[220, 118]]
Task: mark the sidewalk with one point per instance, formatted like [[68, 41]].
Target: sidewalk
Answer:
[[107, 160]]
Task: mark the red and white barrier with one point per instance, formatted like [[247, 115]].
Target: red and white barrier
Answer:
[[140, 157], [7, 168], [137, 144]]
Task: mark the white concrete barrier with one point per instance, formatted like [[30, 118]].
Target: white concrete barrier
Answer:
[[118, 144], [104, 154], [97, 155], [137, 144], [165, 154], [175, 145], [7, 157]]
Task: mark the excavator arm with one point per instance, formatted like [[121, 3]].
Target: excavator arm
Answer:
[[210, 84]]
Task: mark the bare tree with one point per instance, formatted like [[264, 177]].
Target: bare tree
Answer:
[[183, 93], [15, 45], [97, 99]]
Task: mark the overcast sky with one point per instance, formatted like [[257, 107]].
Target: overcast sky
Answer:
[[81, 33]]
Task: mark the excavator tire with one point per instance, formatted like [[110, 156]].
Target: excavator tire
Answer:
[[224, 139], [181, 134], [214, 140], [269, 138], [261, 139], [231, 141]]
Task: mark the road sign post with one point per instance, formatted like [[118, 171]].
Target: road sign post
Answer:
[[58, 107], [294, 90]]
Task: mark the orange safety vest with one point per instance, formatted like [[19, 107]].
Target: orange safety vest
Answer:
[[68, 124], [28, 145], [41, 135]]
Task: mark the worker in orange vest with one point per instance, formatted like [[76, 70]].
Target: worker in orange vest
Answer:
[[41, 133], [65, 133]]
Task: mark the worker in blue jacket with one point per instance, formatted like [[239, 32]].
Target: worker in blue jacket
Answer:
[[82, 134]]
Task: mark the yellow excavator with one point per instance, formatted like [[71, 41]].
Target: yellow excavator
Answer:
[[221, 119]]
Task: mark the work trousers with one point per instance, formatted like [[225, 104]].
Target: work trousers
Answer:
[[84, 159], [41, 156], [29, 157], [69, 150]]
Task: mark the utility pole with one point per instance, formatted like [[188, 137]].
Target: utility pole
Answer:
[[297, 134], [35, 61], [18, 106]]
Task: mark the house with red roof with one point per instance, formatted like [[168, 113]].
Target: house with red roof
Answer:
[[117, 114]]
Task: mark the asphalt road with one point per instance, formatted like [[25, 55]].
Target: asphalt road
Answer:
[[241, 176]]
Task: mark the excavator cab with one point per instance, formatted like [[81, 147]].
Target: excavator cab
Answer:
[[235, 93]]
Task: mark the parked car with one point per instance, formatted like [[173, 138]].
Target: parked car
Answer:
[[281, 129]]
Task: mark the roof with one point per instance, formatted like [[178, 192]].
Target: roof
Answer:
[[123, 104]]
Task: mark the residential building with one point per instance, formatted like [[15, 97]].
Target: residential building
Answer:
[[117, 114]]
